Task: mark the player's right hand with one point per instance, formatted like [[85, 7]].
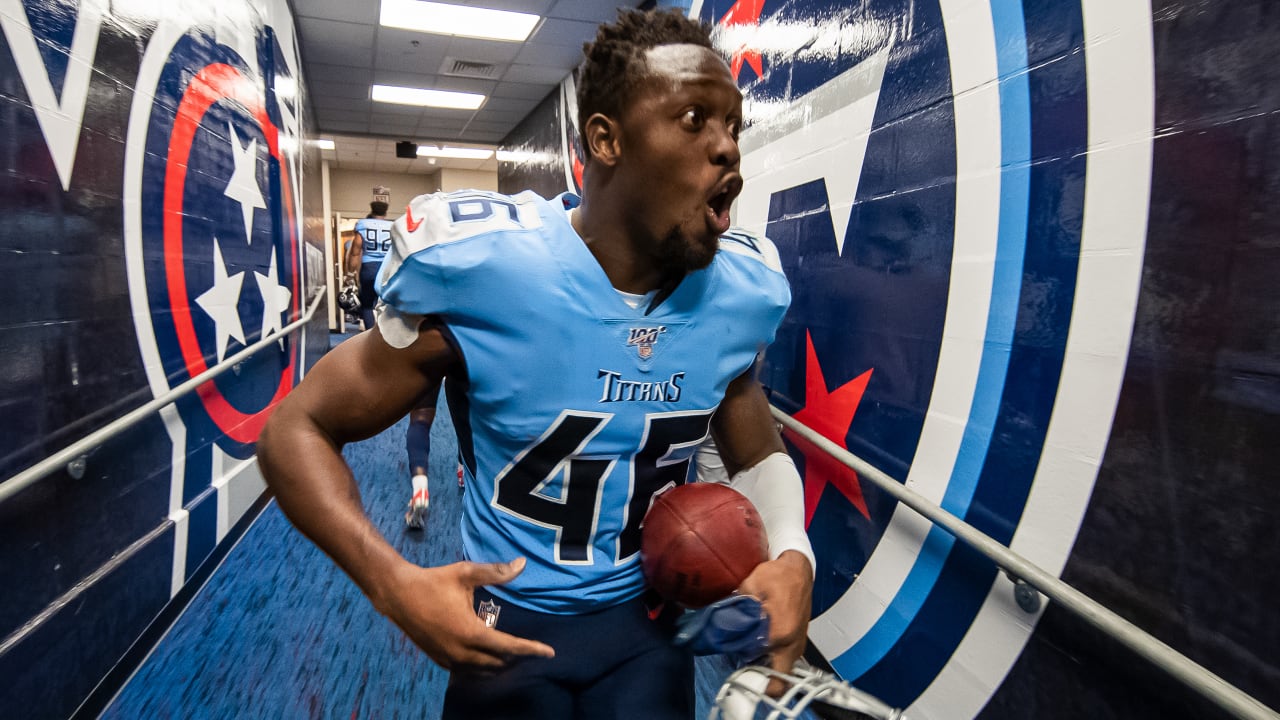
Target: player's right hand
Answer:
[[433, 606]]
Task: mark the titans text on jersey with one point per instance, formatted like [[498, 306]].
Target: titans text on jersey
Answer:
[[619, 389], [576, 407]]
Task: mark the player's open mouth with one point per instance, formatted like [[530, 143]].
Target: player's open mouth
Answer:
[[720, 202]]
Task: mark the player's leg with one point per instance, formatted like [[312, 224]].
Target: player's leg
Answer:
[[654, 680], [417, 443], [528, 688], [368, 292]]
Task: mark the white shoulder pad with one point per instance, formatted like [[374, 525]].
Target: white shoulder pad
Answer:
[[441, 218], [741, 242]]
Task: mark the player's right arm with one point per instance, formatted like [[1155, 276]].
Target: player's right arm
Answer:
[[354, 256], [360, 388]]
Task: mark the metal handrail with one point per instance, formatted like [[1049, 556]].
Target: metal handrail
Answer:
[[60, 459], [1225, 695]]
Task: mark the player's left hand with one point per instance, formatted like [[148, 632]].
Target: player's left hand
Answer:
[[785, 587]]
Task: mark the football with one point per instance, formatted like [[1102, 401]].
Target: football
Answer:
[[699, 541]]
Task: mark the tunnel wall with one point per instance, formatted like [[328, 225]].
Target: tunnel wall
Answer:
[[1033, 264], [159, 212]]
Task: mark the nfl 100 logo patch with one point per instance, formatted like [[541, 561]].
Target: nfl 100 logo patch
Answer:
[[643, 339]]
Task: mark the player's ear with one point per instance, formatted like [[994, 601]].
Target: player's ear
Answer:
[[602, 138]]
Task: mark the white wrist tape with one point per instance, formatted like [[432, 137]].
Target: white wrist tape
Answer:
[[773, 486]]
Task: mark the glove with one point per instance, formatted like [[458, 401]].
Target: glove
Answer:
[[736, 626]]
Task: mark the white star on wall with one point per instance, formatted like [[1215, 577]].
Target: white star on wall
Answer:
[[275, 299], [243, 185], [219, 302]]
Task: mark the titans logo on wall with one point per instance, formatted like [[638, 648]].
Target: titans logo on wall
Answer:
[[961, 214], [213, 242]]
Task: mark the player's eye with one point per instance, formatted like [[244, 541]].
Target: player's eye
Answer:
[[735, 128], [694, 118]]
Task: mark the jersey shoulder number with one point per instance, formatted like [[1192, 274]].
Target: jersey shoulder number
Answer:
[[448, 217], [741, 242]]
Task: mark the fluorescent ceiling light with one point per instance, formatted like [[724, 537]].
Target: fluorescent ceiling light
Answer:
[[444, 19], [325, 144], [456, 153], [428, 98]]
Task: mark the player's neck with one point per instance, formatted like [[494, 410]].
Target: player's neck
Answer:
[[628, 268]]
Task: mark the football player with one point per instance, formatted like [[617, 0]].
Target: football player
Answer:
[[591, 344], [365, 257], [372, 241]]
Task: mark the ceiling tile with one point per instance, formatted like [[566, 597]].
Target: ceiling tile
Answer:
[[318, 74], [396, 50], [555, 31], [499, 116], [336, 43], [341, 90], [339, 55], [534, 74], [344, 127], [405, 78], [480, 126], [522, 91], [471, 85], [535, 7], [396, 123], [399, 110], [345, 143], [328, 121], [521, 106], [341, 10], [333, 102], [490, 51], [588, 10], [561, 56], [343, 115], [492, 137], [427, 129]]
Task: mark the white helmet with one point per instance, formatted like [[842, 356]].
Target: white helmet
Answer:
[[742, 696]]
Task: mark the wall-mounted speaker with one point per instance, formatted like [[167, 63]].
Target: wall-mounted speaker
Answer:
[[406, 149]]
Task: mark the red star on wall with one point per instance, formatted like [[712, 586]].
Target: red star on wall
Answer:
[[744, 12], [831, 414]]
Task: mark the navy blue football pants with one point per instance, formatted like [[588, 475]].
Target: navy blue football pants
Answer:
[[368, 293], [612, 664]]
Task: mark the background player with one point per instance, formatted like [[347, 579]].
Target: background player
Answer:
[[373, 239], [575, 408]]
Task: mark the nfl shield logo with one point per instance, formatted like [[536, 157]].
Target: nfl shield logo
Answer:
[[488, 612]]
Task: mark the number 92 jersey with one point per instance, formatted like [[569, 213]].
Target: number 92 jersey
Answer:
[[375, 238], [577, 407]]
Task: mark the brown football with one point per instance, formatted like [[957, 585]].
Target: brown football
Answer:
[[699, 541]]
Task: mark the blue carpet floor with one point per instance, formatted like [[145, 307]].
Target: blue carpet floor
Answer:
[[279, 632]]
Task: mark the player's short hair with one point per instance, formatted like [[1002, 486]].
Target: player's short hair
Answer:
[[609, 73], [377, 208]]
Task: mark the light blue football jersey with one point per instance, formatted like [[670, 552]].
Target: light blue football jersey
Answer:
[[375, 234], [577, 408]]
